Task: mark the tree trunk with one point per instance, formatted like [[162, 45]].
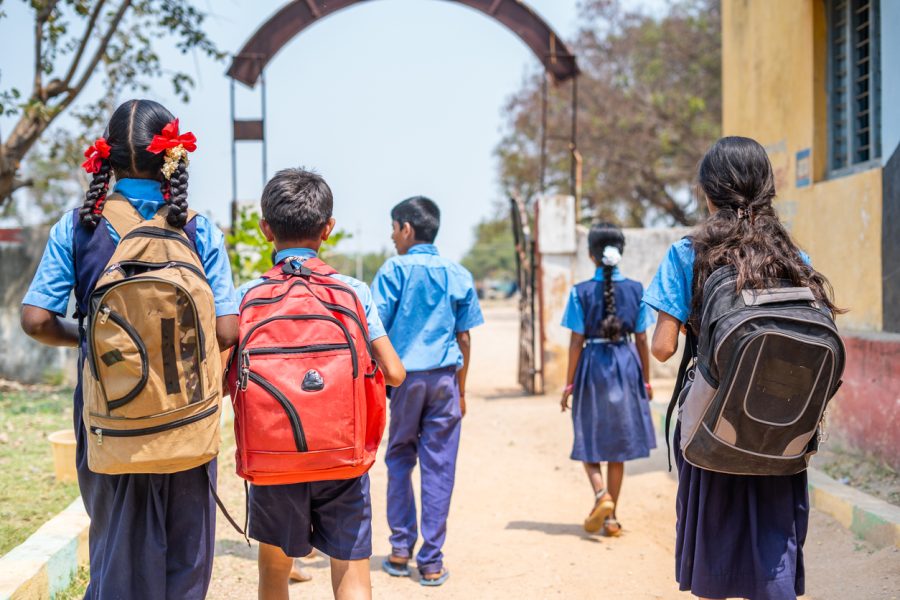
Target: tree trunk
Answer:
[[15, 147]]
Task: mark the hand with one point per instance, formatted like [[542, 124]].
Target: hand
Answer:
[[462, 404], [649, 389], [564, 403]]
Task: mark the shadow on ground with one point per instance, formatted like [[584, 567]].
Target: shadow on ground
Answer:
[[571, 529]]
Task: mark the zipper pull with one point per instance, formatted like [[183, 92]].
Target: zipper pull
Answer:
[[99, 433], [104, 314], [245, 369]]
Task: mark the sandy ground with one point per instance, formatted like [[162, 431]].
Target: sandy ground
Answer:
[[515, 525]]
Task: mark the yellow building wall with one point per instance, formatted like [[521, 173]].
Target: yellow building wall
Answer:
[[774, 90]]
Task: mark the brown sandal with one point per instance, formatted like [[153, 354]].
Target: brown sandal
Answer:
[[603, 508], [612, 527]]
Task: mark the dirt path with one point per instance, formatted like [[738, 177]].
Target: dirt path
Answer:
[[515, 526]]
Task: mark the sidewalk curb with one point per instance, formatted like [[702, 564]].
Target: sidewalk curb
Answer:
[[865, 516], [45, 563]]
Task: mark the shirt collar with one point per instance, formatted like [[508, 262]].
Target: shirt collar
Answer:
[[616, 276], [423, 249], [144, 194], [140, 189], [303, 253]]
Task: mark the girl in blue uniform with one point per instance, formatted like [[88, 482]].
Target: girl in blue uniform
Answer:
[[737, 536], [151, 536], [608, 375]]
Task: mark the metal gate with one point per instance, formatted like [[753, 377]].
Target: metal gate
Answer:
[[526, 272]]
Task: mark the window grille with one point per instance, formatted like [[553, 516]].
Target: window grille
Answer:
[[854, 77]]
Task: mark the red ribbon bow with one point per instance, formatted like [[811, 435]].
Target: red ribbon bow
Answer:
[[170, 138], [94, 154]]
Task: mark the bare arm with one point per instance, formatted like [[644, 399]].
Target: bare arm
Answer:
[[643, 348], [388, 361], [227, 331], [465, 346], [48, 328], [576, 346], [665, 338]]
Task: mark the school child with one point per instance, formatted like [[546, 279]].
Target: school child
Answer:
[[608, 375], [289, 520], [151, 535], [428, 305], [737, 535]]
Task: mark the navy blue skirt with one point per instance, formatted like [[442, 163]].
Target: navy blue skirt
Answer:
[[738, 535], [610, 408]]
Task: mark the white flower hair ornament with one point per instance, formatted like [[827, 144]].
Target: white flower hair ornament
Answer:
[[611, 256]]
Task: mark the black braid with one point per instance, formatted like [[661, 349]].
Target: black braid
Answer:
[[95, 197], [178, 205], [611, 328]]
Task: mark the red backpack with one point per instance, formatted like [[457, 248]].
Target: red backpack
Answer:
[[309, 399]]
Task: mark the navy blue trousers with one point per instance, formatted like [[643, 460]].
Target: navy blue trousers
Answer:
[[425, 424], [151, 537]]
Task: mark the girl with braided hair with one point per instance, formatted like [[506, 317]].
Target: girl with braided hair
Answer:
[[736, 535], [608, 375], [151, 535]]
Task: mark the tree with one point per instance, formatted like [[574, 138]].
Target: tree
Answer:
[[73, 40], [492, 253], [650, 106]]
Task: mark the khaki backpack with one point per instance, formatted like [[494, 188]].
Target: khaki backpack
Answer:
[[152, 374]]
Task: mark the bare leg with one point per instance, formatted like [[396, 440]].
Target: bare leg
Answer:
[[595, 475], [615, 473], [350, 579], [274, 571]]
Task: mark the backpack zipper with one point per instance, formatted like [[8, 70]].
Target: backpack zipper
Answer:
[[100, 431], [156, 232], [142, 351], [293, 417], [299, 349], [158, 265]]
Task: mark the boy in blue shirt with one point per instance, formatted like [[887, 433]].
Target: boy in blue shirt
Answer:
[[332, 516], [428, 305]]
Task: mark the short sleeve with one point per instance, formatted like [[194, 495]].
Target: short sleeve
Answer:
[[55, 277], [386, 290], [670, 290], [468, 309], [214, 256], [573, 317], [373, 320]]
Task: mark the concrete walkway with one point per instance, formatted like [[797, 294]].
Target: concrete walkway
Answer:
[[515, 526]]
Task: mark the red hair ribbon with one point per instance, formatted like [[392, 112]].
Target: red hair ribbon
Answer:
[[170, 138], [94, 154]]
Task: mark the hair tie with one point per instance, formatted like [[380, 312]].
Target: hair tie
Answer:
[[175, 145], [95, 154], [745, 213], [611, 256]]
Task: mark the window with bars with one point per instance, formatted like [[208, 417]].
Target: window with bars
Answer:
[[854, 83]]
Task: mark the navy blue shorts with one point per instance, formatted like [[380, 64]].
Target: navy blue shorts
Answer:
[[332, 516]]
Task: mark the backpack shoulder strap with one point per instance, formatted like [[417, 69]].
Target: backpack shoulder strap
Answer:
[[690, 351], [121, 214]]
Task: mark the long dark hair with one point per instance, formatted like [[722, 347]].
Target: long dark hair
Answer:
[[129, 132], [600, 236], [744, 231]]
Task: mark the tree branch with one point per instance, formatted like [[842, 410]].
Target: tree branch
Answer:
[[98, 54], [76, 60]]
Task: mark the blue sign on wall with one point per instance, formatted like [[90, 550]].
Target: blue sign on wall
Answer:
[[804, 168]]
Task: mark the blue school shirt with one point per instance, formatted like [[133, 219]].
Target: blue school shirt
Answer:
[[424, 300], [671, 290], [55, 277], [376, 329], [573, 317]]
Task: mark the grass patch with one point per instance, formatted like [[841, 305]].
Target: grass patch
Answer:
[[861, 472], [77, 586], [29, 493]]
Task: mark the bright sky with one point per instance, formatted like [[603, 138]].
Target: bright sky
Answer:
[[386, 99]]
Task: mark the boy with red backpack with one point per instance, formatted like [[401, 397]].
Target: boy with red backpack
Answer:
[[307, 381]]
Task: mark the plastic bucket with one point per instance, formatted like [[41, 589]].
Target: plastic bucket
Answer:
[[63, 444]]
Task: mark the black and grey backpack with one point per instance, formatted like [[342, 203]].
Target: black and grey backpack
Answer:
[[755, 381]]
